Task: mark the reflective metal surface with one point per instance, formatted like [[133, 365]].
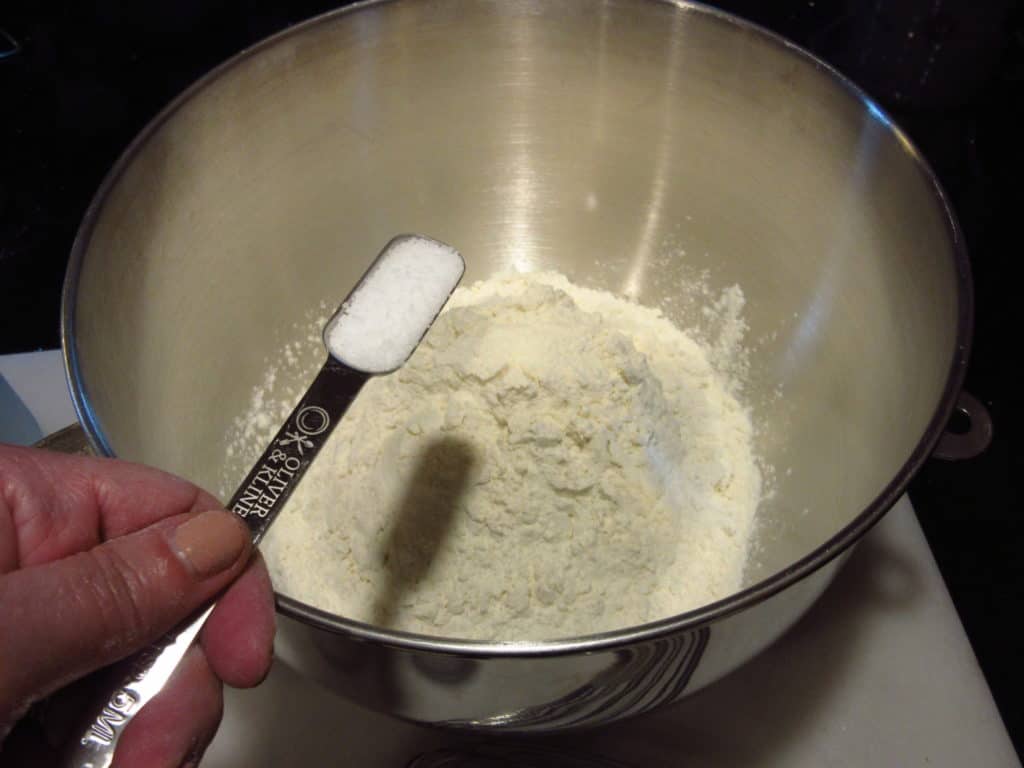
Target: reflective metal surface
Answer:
[[631, 144], [508, 756]]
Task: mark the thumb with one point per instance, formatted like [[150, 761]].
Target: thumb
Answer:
[[67, 618]]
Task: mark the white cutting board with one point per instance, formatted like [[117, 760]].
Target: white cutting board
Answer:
[[879, 672]]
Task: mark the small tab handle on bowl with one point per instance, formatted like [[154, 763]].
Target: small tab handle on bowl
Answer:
[[72, 439], [956, 446]]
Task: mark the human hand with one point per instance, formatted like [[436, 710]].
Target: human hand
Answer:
[[99, 558]]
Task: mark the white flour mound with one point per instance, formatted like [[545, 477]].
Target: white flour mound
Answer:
[[552, 461]]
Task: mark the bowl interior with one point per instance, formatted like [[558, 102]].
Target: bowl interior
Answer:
[[632, 145]]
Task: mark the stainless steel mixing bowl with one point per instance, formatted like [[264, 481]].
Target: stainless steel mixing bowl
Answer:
[[629, 144]]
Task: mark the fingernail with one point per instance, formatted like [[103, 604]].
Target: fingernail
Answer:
[[210, 542]]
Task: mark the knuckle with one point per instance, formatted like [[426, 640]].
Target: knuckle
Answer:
[[115, 590]]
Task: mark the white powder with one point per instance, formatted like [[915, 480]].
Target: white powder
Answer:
[[381, 322], [552, 461]]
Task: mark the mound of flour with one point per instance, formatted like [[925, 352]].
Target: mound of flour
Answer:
[[552, 461]]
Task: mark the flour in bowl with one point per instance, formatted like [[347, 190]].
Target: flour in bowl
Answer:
[[552, 461]]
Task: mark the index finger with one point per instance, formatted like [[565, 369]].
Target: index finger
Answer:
[[55, 505]]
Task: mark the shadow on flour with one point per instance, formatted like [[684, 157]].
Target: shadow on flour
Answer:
[[423, 522]]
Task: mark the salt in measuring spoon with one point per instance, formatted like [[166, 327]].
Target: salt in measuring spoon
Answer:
[[374, 332]]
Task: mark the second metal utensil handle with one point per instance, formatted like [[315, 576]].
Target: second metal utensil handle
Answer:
[[257, 501]]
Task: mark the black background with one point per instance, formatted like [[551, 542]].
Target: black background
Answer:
[[79, 79]]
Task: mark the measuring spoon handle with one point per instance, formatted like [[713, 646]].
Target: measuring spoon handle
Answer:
[[258, 500]]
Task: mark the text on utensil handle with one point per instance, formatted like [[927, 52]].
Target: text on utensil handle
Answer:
[[269, 480]]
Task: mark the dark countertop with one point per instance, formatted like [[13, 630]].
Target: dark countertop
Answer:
[[78, 81]]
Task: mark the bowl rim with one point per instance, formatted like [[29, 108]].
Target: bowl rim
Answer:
[[690, 621]]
